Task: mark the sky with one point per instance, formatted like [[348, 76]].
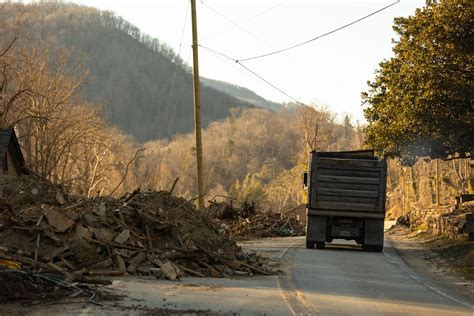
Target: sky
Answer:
[[331, 71]]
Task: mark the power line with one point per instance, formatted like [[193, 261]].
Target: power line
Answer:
[[269, 83], [176, 69], [269, 9], [235, 24], [176, 100], [252, 72], [320, 36]]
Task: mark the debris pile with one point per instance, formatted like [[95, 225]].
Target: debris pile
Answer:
[[30, 287], [150, 233], [246, 222], [224, 210], [448, 222]]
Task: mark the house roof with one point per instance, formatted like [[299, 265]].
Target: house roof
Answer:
[[7, 136]]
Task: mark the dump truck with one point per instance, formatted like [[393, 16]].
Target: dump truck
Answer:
[[345, 198]]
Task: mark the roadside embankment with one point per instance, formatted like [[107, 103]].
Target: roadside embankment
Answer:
[[450, 261]]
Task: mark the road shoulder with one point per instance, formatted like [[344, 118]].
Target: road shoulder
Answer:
[[433, 257]]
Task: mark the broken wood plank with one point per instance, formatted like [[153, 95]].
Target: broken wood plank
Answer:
[[105, 272], [191, 271]]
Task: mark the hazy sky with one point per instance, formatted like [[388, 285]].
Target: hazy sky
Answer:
[[330, 71]]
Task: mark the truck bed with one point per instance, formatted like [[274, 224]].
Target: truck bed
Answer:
[[348, 185]]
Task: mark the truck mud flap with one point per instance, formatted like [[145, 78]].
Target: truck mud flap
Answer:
[[316, 228], [373, 232]]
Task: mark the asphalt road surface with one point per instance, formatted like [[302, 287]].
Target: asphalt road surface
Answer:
[[344, 280], [340, 280]]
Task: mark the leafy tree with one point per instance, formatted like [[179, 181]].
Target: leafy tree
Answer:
[[421, 101]]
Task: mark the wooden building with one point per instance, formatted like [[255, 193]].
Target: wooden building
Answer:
[[11, 157]]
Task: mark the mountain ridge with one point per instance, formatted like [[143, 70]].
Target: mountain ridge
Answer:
[[144, 86]]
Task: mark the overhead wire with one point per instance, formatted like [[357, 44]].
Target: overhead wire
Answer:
[[269, 9], [253, 73], [236, 25], [176, 70], [319, 36], [230, 20], [177, 99], [239, 61]]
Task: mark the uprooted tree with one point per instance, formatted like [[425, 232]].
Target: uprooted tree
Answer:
[[421, 100]]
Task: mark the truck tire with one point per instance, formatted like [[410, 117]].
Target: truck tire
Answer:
[[320, 245], [310, 244], [372, 248], [378, 248]]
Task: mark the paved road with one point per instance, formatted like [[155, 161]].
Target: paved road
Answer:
[[340, 280], [343, 280]]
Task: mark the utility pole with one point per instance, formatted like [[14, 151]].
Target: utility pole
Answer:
[[438, 184], [197, 108]]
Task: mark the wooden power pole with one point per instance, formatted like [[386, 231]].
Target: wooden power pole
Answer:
[[438, 184], [197, 108]]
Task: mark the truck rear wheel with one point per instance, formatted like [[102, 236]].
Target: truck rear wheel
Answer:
[[378, 248], [320, 245], [310, 244], [372, 248]]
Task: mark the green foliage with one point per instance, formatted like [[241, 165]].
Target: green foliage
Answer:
[[421, 101]]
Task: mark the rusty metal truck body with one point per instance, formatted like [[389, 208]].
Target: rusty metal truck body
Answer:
[[346, 198]]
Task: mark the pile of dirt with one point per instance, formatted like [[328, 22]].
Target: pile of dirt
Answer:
[[150, 233], [246, 222]]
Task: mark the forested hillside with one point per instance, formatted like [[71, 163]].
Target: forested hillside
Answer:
[[144, 87], [242, 93], [254, 155], [250, 154]]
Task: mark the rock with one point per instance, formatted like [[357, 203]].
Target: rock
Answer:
[[57, 221], [120, 263], [91, 219], [102, 212], [60, 198], [122, 237], [34, 191], [138, 259], [233, 264], [132, 269], [83, 251], [82, 233], [103, 264], [146, 268], [124, 253], [103, 234], [169, 270]]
